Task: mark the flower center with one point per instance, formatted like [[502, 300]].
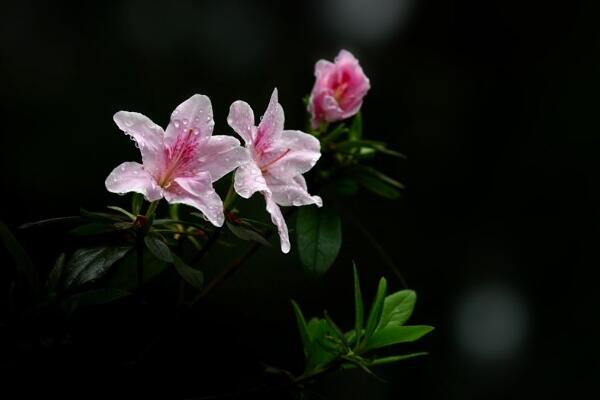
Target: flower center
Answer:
[[179, 157], [264, 167]]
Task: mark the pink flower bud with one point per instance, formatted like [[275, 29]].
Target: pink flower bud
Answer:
[[339, 89]]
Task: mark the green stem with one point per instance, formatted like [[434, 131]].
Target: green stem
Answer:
[[152, 209], [230, 198]]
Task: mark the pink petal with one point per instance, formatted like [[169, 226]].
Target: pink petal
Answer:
[[241, 120], [194, 115], [132, 177], [270, 125], [279, 221], [295, 153], [249, 180], [147, 135], [221, 154], [291, 192], [323, 67], [198, 192]]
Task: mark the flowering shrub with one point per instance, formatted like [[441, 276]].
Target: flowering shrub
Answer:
[[181, 163]]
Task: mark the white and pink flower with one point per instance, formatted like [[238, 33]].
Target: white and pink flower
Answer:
[[278, 159], [181, 163]]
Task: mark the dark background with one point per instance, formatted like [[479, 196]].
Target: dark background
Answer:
[[494, 103]]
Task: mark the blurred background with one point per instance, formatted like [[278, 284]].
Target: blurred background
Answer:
[[494, 103]]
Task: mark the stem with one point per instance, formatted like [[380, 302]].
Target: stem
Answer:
[[226, 272], [151, 209], [230, 198], [210, 243], [140, 268]]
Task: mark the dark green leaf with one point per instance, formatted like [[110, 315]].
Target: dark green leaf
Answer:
[[393, 359], [89, 264], [376, 309], [397, 308], [55, 273], [123, 211], [334, 328], [93, 228], [379, 187], [24, 265], [158, 248], [359, 313], [319, 238], [302, 328], [334, 135], [124, 275], [101, 216], [137, 200], [51, 221], [98, 296], [192, 276], [396, 334], [321, 352], [245, 233]]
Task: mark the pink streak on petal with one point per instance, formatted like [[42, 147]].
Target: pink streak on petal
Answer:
[[132, 177], [199, 193], [147, 135], [219, 155], [241, 120], [300, 151], [279, 221], [195, 115], [270, 126]]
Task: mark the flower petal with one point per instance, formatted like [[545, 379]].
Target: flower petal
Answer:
[[198, 192], [279, 221], [147, 135], [221, 154], [132, 177], [241, 120], [295, 153], [291, 192], [249, 180], [194, 115], [271, 124]]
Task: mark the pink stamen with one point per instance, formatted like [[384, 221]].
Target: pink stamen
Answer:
[[264, 167]]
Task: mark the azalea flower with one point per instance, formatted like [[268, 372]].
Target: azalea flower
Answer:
[[181, 163], [339, 89], [278, 160]]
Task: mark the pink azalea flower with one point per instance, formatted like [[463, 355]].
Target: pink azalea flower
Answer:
[[279, 158], [339, 89], [181, 163]]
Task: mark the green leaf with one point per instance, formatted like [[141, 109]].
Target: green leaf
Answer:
[[356, 131], [55, 273], [88, 264], [24, 265], [192, 276], [393, 359], [93, 228], [137, 200], [376, 309], [334, 328], [321, 352], [158, 248], [98, 296], [302, 328], [122, 211], [124, 275], [397, 334], [51, 221], [245, 233], [359, 313], [334, 135], [101, 216], [397, 308], [319, 237]]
